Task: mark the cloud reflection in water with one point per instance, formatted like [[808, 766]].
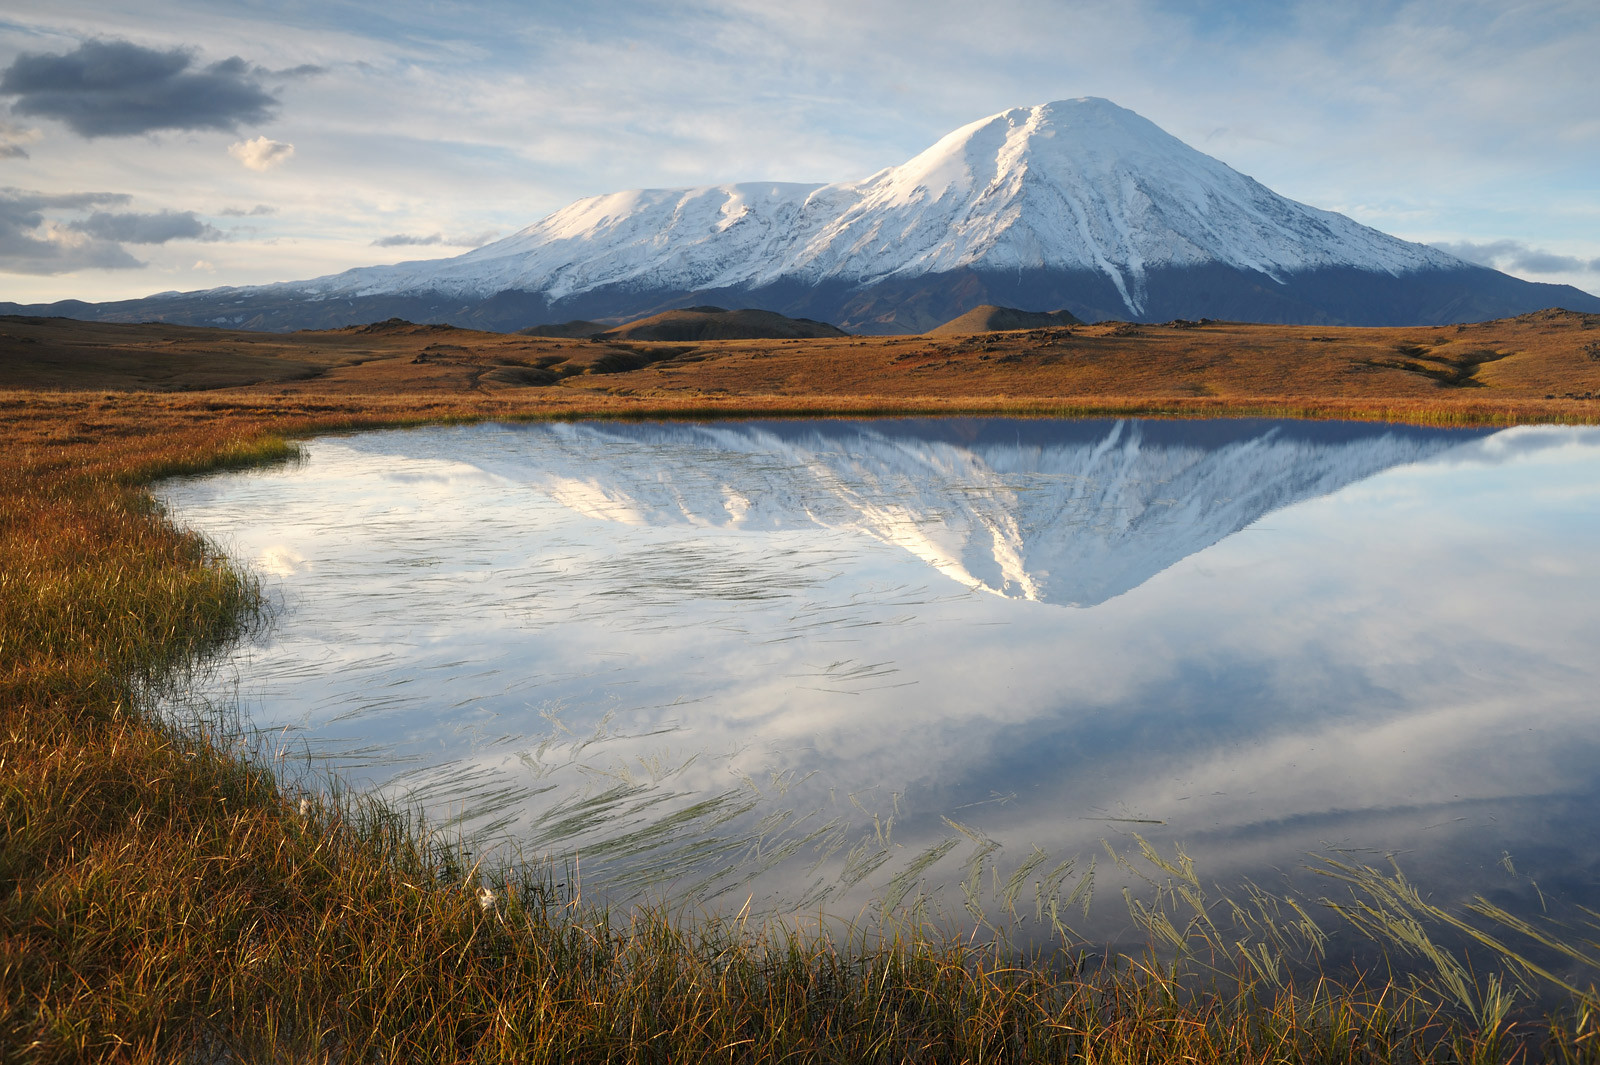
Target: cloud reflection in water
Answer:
[[786, 657]]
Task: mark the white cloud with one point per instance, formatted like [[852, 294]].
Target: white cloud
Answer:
[[261, 153]]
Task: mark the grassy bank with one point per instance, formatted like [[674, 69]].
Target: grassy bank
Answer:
[[163, 898]]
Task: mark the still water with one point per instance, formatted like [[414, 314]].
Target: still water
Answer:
[[834, 665]]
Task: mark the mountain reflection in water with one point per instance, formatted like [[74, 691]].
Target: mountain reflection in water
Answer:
[[1072, 513], [764, 657]]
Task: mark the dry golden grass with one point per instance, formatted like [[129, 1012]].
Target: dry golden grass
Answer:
[[163, 898], [1535, 367]]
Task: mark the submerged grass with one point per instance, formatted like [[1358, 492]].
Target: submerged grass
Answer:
[[164, 897]]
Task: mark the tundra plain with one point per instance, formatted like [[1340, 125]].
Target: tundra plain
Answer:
[[166, 897]]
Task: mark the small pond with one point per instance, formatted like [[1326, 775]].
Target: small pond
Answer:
[[832, 665]]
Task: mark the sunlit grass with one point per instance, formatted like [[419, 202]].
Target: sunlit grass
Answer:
[[166, 897]]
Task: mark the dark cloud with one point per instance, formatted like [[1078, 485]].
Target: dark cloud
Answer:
[[257, 210], [29, 246], [17, 203], [126, 227], [117, 88], [1515, 255]]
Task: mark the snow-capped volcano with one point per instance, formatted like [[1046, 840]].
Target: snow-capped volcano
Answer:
[[1078, 204], [1079, 185]]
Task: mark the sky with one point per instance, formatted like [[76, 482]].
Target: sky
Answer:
[[159, 145]]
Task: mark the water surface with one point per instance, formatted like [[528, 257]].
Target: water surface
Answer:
[[840, 664]]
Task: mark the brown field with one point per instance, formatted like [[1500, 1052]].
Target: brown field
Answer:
[[163, 897], [1543, 366]]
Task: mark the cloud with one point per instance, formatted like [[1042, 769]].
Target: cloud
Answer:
[[260, 153], [21, 202], [1543, 262], [157, 228], [401, 240], [405, 240], [31, 242], [1516, 255], [256, 211], [112, 88], [31, 245], [12, 139]]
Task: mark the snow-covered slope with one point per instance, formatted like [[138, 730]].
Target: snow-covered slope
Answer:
[[1078, 205], [1077, 185], [1065, 513]]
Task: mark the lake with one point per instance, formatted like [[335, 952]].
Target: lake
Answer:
[[955, 664]]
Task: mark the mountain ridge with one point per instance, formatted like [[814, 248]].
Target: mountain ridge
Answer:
[[1079, 204]]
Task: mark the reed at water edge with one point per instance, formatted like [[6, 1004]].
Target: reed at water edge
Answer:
[[166, 898]]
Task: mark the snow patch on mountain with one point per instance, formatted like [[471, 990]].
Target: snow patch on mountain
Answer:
[[1072, 185]]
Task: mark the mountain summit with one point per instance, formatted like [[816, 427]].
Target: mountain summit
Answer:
[[1078, 204]]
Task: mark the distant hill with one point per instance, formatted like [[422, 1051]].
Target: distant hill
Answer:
[[710, 323], [991, 319], [575, 329]]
